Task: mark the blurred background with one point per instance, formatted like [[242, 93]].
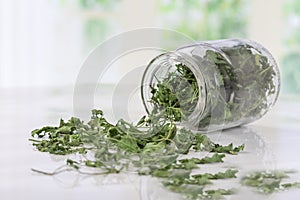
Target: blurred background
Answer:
[[43, 43]]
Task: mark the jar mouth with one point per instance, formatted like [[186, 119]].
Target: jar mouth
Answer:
[[159, 68]]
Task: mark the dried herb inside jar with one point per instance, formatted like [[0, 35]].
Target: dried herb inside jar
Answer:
[[239, 83]]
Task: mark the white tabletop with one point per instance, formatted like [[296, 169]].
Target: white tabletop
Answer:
[[270, 143]]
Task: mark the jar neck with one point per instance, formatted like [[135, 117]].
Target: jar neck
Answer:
[[159, 68]]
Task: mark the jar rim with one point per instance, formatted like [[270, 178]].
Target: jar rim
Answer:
[[168, 60]]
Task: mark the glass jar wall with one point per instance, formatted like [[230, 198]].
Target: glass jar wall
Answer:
[[212, 85]]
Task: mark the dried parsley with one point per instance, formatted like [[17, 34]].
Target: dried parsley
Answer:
[[177, 94], [151, 147], [239, 87], [267, 182], [240, 84], [61, 140]]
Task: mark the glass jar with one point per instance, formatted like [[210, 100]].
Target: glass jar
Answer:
[[212, 85]]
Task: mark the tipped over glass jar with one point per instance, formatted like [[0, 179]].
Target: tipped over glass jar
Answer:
[[212, 85]]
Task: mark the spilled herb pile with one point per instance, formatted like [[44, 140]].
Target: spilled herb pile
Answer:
[[154, 146]]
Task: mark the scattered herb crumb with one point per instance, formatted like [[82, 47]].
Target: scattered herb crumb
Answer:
[[267, 182]]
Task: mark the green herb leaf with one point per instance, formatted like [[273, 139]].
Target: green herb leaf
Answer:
[[268, 182]]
